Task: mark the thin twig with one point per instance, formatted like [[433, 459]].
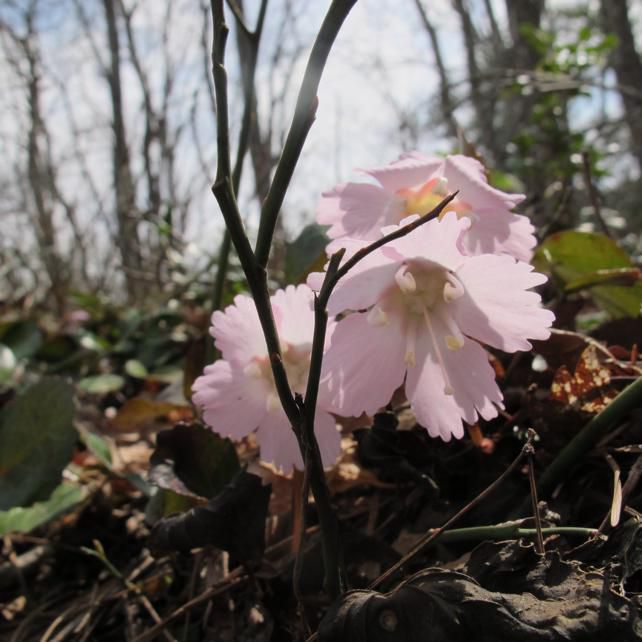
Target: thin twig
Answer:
[[593, 195], [539, 539], [299, 539], [304, 114], [249, 73], [99, 553], [428, 538], [240, 18], [224, 193], [235, 578], [512, 530], [255, 271]]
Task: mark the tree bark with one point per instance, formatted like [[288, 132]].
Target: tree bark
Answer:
[[445, 99], [483, 100], [126, 215], [627, 64]]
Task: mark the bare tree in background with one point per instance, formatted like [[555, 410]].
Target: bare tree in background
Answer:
[[127, 214], [40, 196], [627, 64]]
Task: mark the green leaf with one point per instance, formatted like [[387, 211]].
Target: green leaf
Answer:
[[37, 438], [306, 253], [102, 384], [612, 276], [23, 520], [136, 369], [23, 338], [167, 374], [577, 257], [8, 363], [99, 447]]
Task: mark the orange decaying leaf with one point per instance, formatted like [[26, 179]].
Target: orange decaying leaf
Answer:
[[589, 386]]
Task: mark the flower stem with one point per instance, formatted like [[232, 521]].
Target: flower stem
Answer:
[[511, 530], [302, 120], [249, 72], [254, 264], [435, 533]]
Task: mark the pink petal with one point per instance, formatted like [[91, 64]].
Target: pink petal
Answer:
[[328, 438], [237, 331], [278, 443], [501, 232], [280, 447], [497, 307], [473, 381], [466, 371], [409, 171], [467, 175], [232, 403], [293, 307], [315, 280], [436, 411], [364, 284], [364, 364], [356, 210], [436, 241]]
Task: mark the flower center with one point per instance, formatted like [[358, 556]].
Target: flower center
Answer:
[[423, 199], [296, 361], [421, 294]]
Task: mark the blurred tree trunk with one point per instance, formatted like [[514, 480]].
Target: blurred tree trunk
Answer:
[[482, 98], [522, 13], [40, 193], [38, 179], [158, 147], [445, 99], [547, 121], [128, 239], [627, 63]]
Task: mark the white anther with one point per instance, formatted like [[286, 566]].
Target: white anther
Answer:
[[453, 289], [252, 370], [273, 402], [441, 187], [377, 317], [454, 343], [405, 281]]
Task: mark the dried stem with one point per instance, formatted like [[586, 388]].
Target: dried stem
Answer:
[[539, 539], [432, 535]]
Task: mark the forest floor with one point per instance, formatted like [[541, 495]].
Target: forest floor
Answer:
[[171, 536]]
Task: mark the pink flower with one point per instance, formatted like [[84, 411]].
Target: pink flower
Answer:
[[415, 184], [237, 393], [423, 306]]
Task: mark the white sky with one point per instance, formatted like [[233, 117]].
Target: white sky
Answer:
[[381, 65]]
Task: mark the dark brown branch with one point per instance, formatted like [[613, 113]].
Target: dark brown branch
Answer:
[[302, 120]]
